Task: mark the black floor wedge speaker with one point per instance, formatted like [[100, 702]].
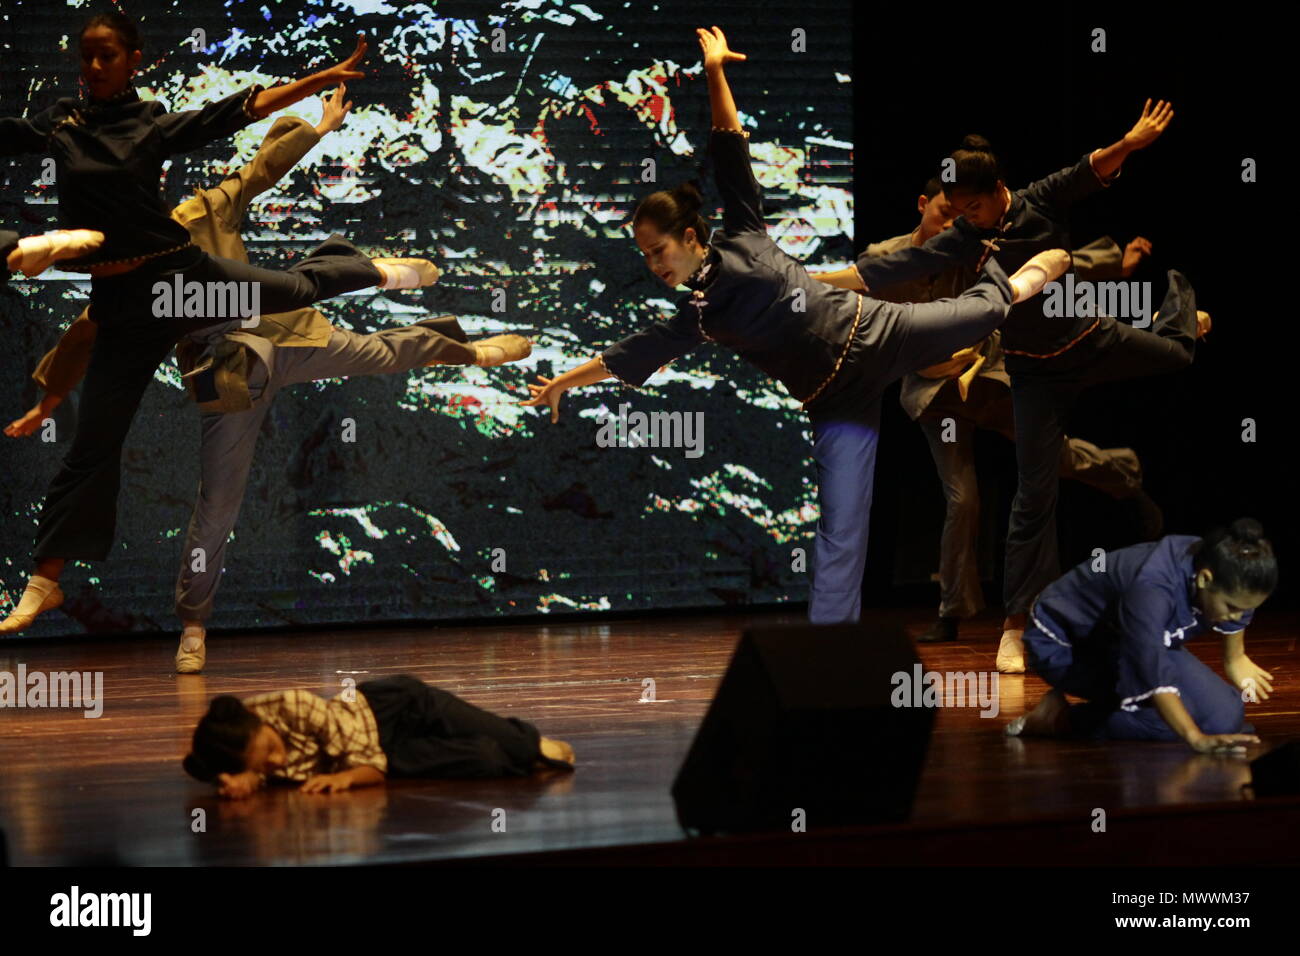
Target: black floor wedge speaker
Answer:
[[803, 721]]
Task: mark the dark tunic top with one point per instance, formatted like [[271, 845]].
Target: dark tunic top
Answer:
[[1034, 222], [1138, 610], [108, 164], [747, 295]]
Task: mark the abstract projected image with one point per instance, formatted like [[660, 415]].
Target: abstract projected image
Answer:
[[509, 143]]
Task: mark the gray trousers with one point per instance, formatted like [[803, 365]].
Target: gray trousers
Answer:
[[228, 439], [1113, 471]]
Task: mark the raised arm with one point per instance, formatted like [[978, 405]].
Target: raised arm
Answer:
[[742, 198], [280, 97], [717, 55], [192, 129], [1145, 131]]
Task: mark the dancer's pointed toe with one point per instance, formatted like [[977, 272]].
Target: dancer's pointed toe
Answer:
[[500, 349]]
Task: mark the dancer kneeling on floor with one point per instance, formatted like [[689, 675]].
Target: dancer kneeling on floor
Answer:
[[1115, 636]]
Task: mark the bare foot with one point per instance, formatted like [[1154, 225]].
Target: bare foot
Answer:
[[1051, 718]]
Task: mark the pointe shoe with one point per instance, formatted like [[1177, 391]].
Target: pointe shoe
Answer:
[[1011, 653], [1043, 268], [426, 271], [21, 622], [1203, 324], [41, 252], [500, 349], [192, 653]]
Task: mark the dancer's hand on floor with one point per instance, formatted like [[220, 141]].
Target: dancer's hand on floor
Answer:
[[546, 394], [328, 783], [1222, 743], [1150, 125], [1241, 669], [237, 786]]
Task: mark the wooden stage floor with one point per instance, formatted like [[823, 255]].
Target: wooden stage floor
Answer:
[[85, 791]]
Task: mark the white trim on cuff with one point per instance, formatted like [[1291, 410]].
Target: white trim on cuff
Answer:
[[1130, 703]]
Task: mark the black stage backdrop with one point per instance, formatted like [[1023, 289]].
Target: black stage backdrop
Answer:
[[517, 170], [1029, 81], [514, 159]]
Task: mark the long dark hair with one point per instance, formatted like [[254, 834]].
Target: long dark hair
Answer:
[[221, 739], [673, 211], [975, 168], [1239, 557], [119, 23]]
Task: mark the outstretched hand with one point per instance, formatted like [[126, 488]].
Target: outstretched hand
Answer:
[[1137, 249], [714, 46], [22, 427], [347, 69], [1150, 124], [546, 394], [333, 110]]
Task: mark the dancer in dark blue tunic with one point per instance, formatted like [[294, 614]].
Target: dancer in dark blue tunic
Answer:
[[834, 350], [1114, 634]]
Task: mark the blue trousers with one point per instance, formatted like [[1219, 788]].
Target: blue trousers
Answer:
[[891, 340], [1089, 669]]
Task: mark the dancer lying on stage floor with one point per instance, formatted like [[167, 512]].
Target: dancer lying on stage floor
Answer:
[[109, 150], [832, 349], [1050, 360], [1116, 637], [234, 373], [972, 390], [394, 726]]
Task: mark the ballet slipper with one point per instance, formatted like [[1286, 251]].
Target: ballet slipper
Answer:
[[1203, 324], [192, 653], [1011, 652], [43, 598], [41, 252], [1043, 268], [500, 349], [406, 273]]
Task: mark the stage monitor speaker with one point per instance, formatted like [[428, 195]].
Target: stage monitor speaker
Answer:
[[803, 720], [1277, 773]]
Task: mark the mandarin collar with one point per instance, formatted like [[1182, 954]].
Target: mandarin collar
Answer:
[[128, 95], [701, 276]]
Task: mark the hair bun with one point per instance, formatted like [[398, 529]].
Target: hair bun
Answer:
[[1247, 531], [688, 196], [976, 143]]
